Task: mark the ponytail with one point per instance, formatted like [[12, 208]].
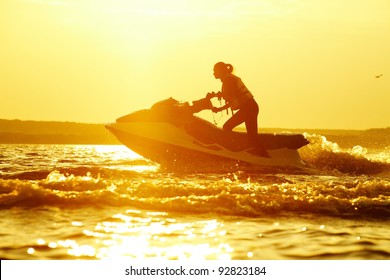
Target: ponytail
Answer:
[[229, 68], [225, 67]]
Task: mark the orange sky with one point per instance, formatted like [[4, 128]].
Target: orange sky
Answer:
[[309, 63]]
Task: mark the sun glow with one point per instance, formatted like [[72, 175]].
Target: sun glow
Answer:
[[141, 235], [103, 59]]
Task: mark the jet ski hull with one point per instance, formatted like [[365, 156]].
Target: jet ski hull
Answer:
[[172, 147], [168, 155], [171, 135]]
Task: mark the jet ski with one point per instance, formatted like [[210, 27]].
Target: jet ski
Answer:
[[171, 135]]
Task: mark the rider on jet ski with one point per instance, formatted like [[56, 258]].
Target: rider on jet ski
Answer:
[[237, 97]]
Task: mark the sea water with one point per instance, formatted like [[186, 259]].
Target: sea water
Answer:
[[106, 202]]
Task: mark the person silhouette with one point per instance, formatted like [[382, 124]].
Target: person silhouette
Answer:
[[239, 99]]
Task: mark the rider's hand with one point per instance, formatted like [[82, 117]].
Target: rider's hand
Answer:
[[216, 110], [210, 95]]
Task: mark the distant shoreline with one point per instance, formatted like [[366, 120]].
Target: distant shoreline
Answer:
[[53, 132]]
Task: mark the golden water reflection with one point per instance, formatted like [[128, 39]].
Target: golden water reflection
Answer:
[[122, 157], [141, 235]]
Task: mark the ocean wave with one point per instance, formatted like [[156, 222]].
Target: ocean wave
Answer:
[[328, 156], [250, 197]]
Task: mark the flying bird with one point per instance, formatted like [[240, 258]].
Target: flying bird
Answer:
[[378, 76]]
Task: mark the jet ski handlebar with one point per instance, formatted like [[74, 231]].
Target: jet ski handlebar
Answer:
[[201, 104], [213, 94], [197, 105]]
